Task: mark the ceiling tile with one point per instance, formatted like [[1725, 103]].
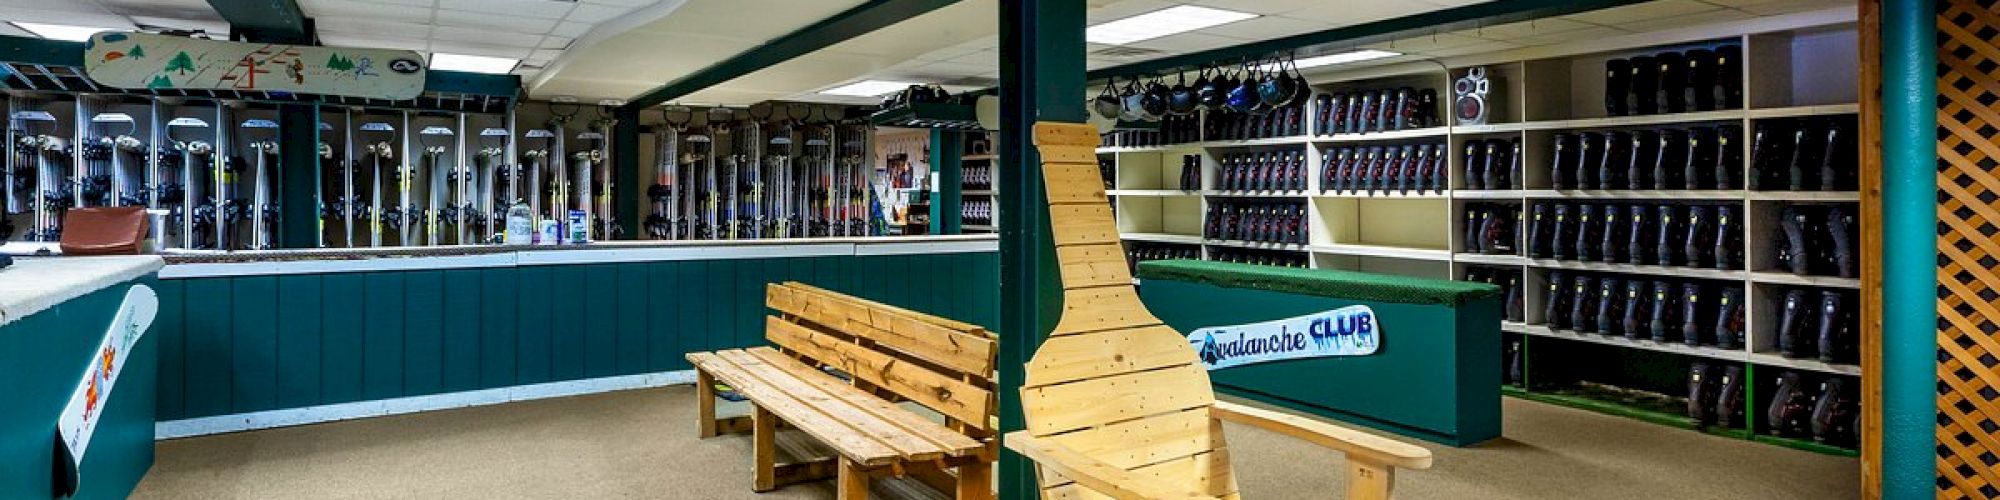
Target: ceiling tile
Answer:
[[324, 9], [1266, 27], [569, 29], [555, 42], [1123, 9], [478, 49], [1265, 7], [1526, 29], [623, 3], [545, 9], [489, 37], [593, 13], [1686, 20], [1594, 32], [1776, 7], [517, 24], [1421, 44], [1186, 42], [1658, 9], [1352, 13], [544, 54], [372, 27], [372, 41]]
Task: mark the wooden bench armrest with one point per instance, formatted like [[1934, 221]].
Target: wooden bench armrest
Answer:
[[1356, 444], [1090, 472]]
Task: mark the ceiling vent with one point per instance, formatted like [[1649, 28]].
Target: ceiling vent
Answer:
[[1123, 52]]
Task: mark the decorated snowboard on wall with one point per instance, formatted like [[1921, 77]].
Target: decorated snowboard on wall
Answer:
[[145, 60]]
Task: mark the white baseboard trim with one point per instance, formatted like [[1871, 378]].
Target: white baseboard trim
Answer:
[[364, 409]]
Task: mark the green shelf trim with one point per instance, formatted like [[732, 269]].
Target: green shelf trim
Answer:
[[1352, 285], [1806, 445], [1623, 410]]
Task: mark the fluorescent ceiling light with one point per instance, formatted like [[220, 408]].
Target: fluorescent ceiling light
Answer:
[[1341, 58], [60, 31], [473, 64], [868, 88], [1159, 23]]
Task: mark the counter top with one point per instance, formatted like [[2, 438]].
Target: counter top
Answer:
[[335, 260], [33, 284]]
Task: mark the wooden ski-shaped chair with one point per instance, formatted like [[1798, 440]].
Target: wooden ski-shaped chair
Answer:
[[1116, 404]]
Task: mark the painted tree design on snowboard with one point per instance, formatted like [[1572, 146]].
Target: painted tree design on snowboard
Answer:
[[181, 63]]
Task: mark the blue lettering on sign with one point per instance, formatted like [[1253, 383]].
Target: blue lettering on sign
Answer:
[[1348, 331]]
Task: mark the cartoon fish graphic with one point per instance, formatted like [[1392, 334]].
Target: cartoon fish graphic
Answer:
[[113, 56]]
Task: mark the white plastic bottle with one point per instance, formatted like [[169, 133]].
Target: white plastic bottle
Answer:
[[520, 226]]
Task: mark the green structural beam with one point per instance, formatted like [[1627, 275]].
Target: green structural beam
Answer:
[[1339, 39], [299, 175], [857, 21], [1909, 252], [625, 172], [269, 21], [30, 50], [460, 82], [1041, 75], [947, 214]]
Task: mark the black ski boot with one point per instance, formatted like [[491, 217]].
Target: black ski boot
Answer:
[[1645, 145], [1563, 162], [1539, 224], [1792, 329], [1639, 243], [1769, 151], [1699, 170], [1701, 395], [1672, 161], [1729, 398], [1617, 87], [1590, 160], [1729, 318], [1645, 85], [1791, 407], [1840, 228], [1666, 311], [1564, 234], [1616, 233], [1493, 166], [1700, 78], [1833, 413], [1673, 82], [1587, 233], [1638, 309], [1794, 251], [1514, 354], [1728, 239], [1614, 170], [1806, 149], [1836, 328], [1699, 249], [1514, 299], [1555, 311], [1475, 227], [1671, 228], [1475, 160], [1583, 306], [1695, 314], [1610, 306], [1728, 167], [1835, 158]]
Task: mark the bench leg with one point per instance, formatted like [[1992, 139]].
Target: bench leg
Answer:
[[1368, 481], [852, 482], [764, 448], [704, 396], [975, 481]]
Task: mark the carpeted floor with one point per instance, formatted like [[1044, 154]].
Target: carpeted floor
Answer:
[[641, 444]]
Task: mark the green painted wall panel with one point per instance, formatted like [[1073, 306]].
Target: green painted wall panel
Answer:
[[343, 335], [299, 314], [462, 342], [382, 344], [44, 355], [600, 320], [208, 355], [499, 330], [254, 336], [171, 329], [535, 354], [423, 333]]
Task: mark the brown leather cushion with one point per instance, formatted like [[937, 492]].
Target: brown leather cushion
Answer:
[[104, 231]]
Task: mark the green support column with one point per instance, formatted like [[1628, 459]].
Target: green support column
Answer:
[[1909, 252], [625, 174], [946, 215], [298, 160], [1041, 79]]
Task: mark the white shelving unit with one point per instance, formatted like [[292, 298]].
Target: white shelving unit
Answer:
[[1544, 92]]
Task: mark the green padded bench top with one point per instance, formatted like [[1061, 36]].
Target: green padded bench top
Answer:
[[1351, 285]]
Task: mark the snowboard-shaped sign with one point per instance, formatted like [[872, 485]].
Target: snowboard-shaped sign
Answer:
[[149, 61], [1347, 331]]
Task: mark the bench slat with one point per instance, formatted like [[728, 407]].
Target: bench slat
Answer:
[[819, 425], [911, 446], [1069, 358], [949, 396], [1088, 310], [957, 444], [948, 323], [1090, 403], [967, 353]]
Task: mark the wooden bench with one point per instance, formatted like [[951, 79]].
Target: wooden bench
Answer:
[[890, 357], [1116, 403]]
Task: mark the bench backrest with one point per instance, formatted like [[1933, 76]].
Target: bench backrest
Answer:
[[1112, 381], [942, 364]]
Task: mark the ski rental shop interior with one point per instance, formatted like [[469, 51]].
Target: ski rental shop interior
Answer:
[[1018, 249]]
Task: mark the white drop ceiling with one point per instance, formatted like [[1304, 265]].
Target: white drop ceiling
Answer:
[[618, 49]]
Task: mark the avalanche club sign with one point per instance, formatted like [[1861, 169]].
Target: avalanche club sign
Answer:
[[1347, 331], [79, 417], [149, 61]]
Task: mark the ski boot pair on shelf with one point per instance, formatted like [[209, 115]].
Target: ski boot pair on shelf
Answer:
[[1695, 313], [1830, 415], [1700, 79], [1702, 236], [1661, 159], [1804, 155], [1509, 281], [1818, 241], [1492, 164], [1490, 228], [1404, 169], [1715, 396], [1364, 111], [1822, 324]]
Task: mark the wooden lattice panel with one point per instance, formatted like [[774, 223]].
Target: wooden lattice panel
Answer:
[[1968, 307]]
